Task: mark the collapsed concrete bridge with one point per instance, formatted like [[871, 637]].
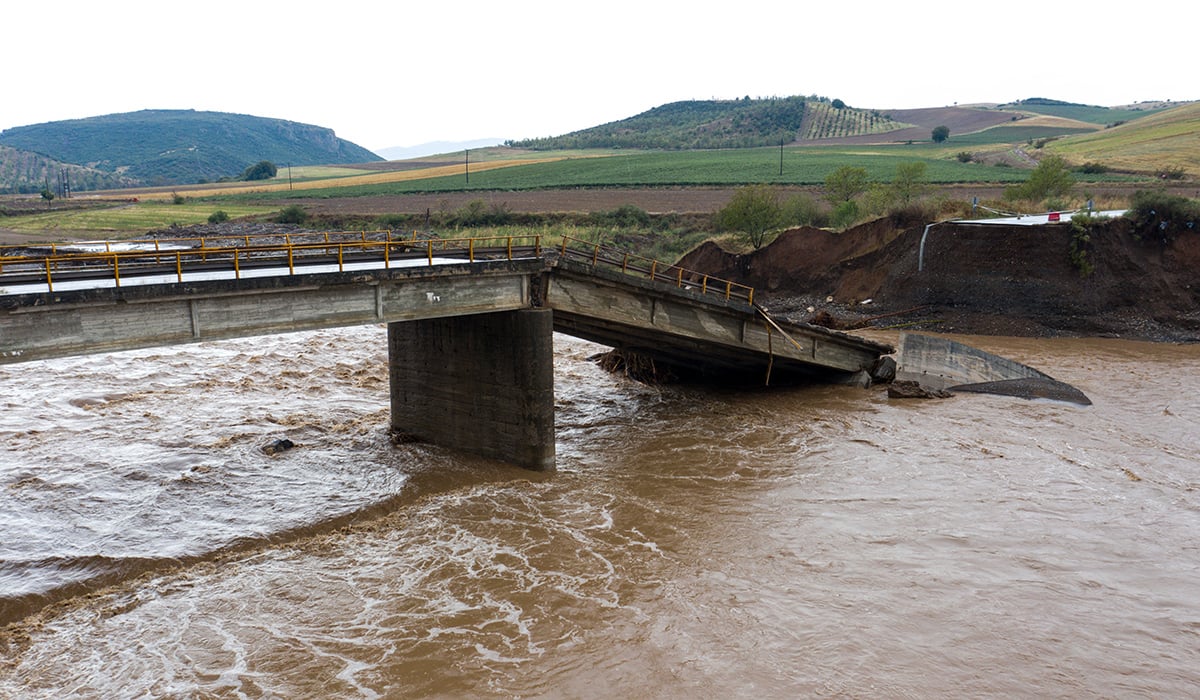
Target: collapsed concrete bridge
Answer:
[[470, 322]]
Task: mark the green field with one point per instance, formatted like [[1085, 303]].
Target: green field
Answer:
[[143, 216], [1089, 114], [801, 166], [1011, 135], [300, 173]]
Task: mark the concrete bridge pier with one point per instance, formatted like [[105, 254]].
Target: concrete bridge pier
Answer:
[[481, 383]]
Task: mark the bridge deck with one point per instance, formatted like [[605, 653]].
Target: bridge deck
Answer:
[[104, 297]]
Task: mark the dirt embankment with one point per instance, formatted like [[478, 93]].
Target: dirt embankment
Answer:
[[998, 280]]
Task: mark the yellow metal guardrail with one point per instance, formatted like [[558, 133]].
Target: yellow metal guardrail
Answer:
[[123, 257], [179, 256], [245, 240], [629, 263]]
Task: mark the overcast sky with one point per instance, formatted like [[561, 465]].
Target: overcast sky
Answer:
[[385, 74]]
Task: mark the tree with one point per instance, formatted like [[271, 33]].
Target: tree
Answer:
[[909, 182], [838, 104], [752, 211], [47, 195], [1051, 178], [940, 133], [845, 183], [262, 170]]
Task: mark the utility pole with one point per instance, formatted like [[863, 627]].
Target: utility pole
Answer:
[[467, 164], [781, 157]]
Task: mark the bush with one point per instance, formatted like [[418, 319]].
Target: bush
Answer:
[[964, 156], [291, 214], [845, 214], [904, 215], [1081, 245], [393, 222], [1093, 168], [1159, 215], [803, 210], [177, 198], [624, 216], [218, 217], [477, 213]]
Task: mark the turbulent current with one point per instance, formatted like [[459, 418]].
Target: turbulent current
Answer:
[[802, 542]]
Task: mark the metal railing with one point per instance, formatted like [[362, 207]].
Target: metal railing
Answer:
[[123, 259], [649, 268], [299, 253], [243, 240]]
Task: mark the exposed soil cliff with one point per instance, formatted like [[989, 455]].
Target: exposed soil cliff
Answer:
[[993, 279]]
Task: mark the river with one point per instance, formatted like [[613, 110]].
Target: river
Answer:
[[807, 542]]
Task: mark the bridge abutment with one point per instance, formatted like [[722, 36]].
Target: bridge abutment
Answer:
[[482, 383]]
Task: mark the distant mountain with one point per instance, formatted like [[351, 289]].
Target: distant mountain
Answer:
[[433, 148], [743, 123], [167, 147]]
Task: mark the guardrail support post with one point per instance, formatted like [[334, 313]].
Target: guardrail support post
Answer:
[[482, 384]]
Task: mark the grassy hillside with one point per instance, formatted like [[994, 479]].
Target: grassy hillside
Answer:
[[25, 172], [1106, 116], [744, 123], [1164, 143], [163, 147]]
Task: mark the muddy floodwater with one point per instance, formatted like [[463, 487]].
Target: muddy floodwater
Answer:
[[695, 543]]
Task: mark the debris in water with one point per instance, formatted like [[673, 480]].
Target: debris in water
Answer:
[[912, 390], [280, 445]]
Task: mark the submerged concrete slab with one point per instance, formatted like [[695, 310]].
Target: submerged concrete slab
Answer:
[[944, 364]]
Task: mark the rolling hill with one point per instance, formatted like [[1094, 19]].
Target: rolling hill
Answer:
[[748, 123], [165, 147], [1166, 142], [744, 123]]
